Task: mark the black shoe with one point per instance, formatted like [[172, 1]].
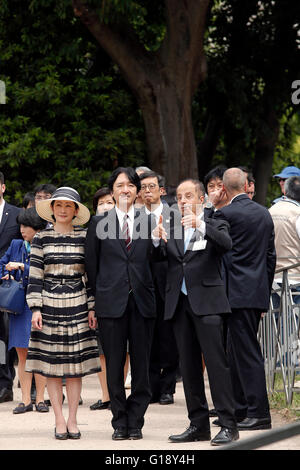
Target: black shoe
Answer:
[[42, 407], [120, 434], [254, 424], [21, 408], [73, 435], [225, 436], [62, 436], [6, 394], [191, 434], [217, 422], [135, 433], [100, 405], [166, 399], [48, 402], [212, 413]]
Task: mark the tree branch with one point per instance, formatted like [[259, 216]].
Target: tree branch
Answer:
[[122, 45]]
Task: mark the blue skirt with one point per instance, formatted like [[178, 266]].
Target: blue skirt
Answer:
[[20, 329]]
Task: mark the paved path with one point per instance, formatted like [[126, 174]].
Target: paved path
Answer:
[[35, 431]]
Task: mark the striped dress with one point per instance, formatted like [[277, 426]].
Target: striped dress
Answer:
[[66, 346]]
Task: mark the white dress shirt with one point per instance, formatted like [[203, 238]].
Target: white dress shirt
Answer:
[[130, 219], [1, 210]]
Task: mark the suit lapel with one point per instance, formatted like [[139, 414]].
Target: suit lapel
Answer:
[[5, 216]]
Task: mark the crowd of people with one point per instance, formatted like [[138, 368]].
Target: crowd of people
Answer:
[[162, 283]]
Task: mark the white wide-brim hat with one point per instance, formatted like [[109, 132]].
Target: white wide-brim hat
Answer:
[[64, 193]]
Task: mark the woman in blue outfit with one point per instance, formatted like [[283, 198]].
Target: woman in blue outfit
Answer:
[[16, 260]]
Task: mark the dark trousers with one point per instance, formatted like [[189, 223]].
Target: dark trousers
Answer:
[[164, 355], [196, 335], [7, 369], [114, 333], [246, 364]]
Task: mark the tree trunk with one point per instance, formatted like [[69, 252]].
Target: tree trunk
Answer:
[[267, 136], [163, 82]]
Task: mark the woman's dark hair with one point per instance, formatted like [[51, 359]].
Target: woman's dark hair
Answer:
[[131, 174], [30, 218], [29, 197], [105, 191]]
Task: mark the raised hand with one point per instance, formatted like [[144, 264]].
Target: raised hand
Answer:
[[159, 231]]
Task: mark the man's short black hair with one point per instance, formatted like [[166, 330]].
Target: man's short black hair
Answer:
[[213, 174], [30, 218], [45, 188], [250, 176], [152, 174], [131, 175], [1, 178]]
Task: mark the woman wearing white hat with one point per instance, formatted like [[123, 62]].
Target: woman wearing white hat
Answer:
[[63, 342]]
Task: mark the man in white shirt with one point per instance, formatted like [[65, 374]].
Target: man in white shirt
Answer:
[[164, 355], [118, 265]]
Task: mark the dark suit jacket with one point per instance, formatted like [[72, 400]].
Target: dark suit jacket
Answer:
[[9, 229], [160, 266], [250, 265], [112, 271], [201, 270]]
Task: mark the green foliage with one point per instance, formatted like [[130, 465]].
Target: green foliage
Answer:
[[69, 117]]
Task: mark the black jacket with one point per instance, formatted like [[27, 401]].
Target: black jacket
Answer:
[[201, 270], [250, 264], [112, 271], [9, 228]]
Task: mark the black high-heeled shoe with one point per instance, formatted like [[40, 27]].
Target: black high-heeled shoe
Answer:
[[74, 435], [62, 436]]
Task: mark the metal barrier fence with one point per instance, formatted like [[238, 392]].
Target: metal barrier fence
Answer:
[[279, 335]]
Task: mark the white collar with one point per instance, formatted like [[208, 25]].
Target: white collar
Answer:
[[157, 212], [121, 214]]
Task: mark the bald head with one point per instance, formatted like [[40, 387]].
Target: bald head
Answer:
[[235, 181]]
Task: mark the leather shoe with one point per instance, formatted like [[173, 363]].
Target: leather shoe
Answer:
[[191, 434], [6, 395], [254, 424], [100, 405], [74, 435], [21, 408], [225, 436], [120, 434], [135, 433], [166, 399], [62, 436]]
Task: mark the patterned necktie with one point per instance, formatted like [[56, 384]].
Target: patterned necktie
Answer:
[[125, 233]]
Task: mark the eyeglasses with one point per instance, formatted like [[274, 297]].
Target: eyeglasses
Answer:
[[40, 197], [150, 186], [251, 193]]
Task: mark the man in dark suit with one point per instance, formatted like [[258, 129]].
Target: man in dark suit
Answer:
[[164, 355], [196, 304], [249, 272], [118, 256], [9, 229]]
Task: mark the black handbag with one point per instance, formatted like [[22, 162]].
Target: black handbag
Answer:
[[12, 295]]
